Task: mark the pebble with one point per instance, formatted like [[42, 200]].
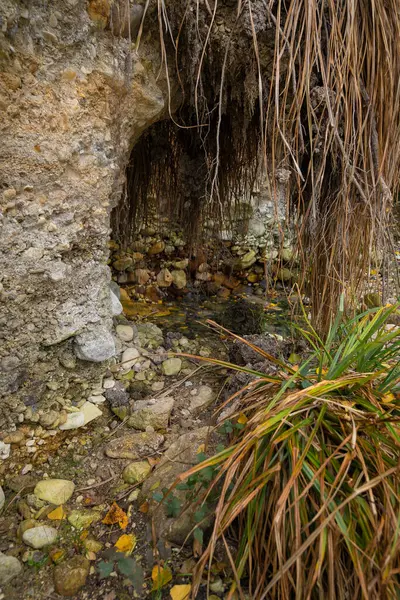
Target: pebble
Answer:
[[15, 437], [55, 491], [97, 399], [39, 537], [171, 366], [71, 575], [157, 386], [26, 469], [125, 332], [5, 450], [10, 567], [74, 420], [129, 358], [136, 472], [90, 412], [108, 384]]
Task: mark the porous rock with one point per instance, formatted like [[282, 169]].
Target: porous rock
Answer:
[[134, 445], [151, 413]]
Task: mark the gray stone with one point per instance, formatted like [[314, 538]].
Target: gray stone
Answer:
[[202, 399], [151, 413], [10, 567], [125, 332], [95, 345], [117, 395], [54, 491], [134, 445], [171, 366], [71, 575], [39, 537], [179, 457], [116, 306], [129, 358]]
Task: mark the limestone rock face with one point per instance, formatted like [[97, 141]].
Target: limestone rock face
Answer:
[[71, 111]]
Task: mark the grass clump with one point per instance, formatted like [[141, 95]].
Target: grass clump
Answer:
[[310, 486]]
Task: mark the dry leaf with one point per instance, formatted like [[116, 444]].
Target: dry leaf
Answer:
[[155, 486], [160, 576], [126, 543], [116, 515], [58, 514], [180, 592], [197, 548], [144, 508]]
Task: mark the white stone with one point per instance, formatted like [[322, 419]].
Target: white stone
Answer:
[[129, 358], [95, 345], [100, 399], [54, 491], [90, 412], [5, 450], [108, 384], [74, 420], [125, 332], [39, 537], [10, 567], [157, 386]]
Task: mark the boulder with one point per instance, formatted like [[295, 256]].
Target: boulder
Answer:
[[179, 457], [116, 306], [54, 491], [134, 445], [151, 413]]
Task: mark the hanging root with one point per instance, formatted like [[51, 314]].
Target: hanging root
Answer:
[[307, 85]]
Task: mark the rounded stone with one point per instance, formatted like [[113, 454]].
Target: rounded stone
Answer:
[[54, 491], [10, 567], [136, 472], [71, 575], [129, 358], [96, 345], [171, 366], [125, 332], [39, 537]]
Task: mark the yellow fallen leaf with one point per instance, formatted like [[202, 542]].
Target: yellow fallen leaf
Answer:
[[388, 398], [160, 576], [180, 592], [155, 486], [242, 419], [116, 515], [322, 371], [126, 543], [201, 448], [144, 508], [58, 514]]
